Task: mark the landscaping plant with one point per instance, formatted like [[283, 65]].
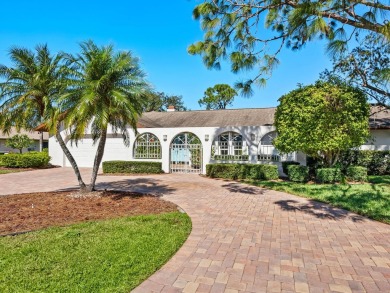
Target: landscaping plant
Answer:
[[297, 173], [357, 173], [329, 175], [322, 121], [132, 167], [19, 142]]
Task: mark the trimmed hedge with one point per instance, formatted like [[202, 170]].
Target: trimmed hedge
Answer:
[[132, 167], [329, 175], [242, 171], [357, 173], [285, 165], [298, 173], [26, 160]]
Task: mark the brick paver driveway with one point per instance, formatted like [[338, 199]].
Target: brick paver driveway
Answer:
[[248, 239]]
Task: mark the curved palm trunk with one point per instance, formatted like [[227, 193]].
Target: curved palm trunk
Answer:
[[70, 158], [98, 159]]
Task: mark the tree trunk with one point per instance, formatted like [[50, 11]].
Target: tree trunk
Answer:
[[41, 141], [70, 158], [98, 159]]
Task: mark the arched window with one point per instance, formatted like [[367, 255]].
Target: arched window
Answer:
[[147, 146], [267, 151], [230, 146]]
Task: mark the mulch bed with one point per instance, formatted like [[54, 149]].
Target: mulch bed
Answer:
[[29, 169], [33, 211]]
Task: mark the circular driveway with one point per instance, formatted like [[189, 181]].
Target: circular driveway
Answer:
[[248, 239]]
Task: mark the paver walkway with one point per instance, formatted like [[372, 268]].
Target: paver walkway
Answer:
[[248, 239]]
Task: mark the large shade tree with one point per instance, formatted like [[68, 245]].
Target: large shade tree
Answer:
[[321, 120], [233, 30], [107, 90], [160, 101], [366, 66], [218, 97], [29, 87]]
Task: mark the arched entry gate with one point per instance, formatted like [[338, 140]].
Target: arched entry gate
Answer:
[[186, 154]]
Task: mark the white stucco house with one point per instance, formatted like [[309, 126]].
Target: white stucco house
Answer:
[[185, 142]]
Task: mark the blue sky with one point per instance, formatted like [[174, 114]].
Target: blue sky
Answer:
[[158, 32]]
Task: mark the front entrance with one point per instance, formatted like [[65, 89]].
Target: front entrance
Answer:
[[186, 154]]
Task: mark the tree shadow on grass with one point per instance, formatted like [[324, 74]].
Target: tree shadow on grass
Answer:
[[384, 179], [319, 210], [371, 200]]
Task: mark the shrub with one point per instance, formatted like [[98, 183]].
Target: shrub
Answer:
[[242, 171], [132, 167], [313, 164], [285, 165], [226, 171], [329, 175], [357, 173], [298, 173], [26, 160], [376, 162], [269, 172]]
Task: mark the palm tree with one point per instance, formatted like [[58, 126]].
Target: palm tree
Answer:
[[30, 91], [108, 90], [28, 88]]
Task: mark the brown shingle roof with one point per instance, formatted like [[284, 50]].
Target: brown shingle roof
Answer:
[[380, 118], [210, 118]]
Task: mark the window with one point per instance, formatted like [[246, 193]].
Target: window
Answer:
[[267, 151], [230, 146], [147, 146]]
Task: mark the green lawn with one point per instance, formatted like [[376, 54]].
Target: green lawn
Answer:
[[6, 171], [102, 256], [371, 199]]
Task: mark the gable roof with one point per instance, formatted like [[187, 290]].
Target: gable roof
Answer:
[[208, 118], [379, 119]]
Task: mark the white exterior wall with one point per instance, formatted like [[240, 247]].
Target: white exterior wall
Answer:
[[380, 140], [115, 149]]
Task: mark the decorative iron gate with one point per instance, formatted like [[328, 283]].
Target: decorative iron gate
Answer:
[[186, 154]]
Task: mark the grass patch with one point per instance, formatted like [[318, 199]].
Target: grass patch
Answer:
[[370, 199], [6, 171], [103, 256]]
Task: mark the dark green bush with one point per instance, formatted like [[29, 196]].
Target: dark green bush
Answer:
[[329, 175], [298, 173], [376, 162], [357, 173], [269, 172], [285, 165], [132, 167], [26, 160], [242, 171], [313, 164]]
